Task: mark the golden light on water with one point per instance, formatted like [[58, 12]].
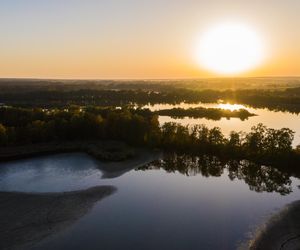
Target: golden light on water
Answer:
[[231, 107], [230, 48]]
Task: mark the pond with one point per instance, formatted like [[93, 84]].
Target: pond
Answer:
[[272, 119], [175, 202]]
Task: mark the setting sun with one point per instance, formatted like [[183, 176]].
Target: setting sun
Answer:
[[230, 48]]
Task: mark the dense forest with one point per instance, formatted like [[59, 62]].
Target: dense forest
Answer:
[[140, 127], [265, 83]]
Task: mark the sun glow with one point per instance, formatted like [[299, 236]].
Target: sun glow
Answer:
[[230, 48]]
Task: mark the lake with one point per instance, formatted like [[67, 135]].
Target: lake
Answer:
[[272, 119], [172, 203]]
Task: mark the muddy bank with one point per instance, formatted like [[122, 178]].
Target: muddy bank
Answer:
[[28, 218], [103, 150], [142, 157], [282, 231]]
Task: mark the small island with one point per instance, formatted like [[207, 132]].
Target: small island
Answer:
[[208, 113]]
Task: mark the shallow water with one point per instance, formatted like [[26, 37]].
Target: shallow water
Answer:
[[272, 119], [188, 207], [65, 172]]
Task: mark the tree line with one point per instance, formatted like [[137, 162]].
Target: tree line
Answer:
[[141, 127]]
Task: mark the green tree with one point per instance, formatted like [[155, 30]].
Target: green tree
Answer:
[[216, 137], [3, 135]]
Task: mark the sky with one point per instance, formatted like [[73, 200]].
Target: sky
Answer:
[[134, 39]]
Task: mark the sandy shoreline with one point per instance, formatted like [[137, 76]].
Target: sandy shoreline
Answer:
[[282, 231], [27, 218]]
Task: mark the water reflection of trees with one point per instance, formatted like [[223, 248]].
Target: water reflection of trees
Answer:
[[259, 178]]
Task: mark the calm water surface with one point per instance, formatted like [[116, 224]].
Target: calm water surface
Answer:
[[269, 118], [169, 204]]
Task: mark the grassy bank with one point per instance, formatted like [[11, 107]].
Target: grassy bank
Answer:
[[104, 150]]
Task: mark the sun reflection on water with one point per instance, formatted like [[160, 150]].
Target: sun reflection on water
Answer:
[[231, 107]]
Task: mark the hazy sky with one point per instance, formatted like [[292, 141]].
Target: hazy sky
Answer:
[[136, 38]]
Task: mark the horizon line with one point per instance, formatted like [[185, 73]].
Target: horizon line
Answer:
[[143, 79]]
